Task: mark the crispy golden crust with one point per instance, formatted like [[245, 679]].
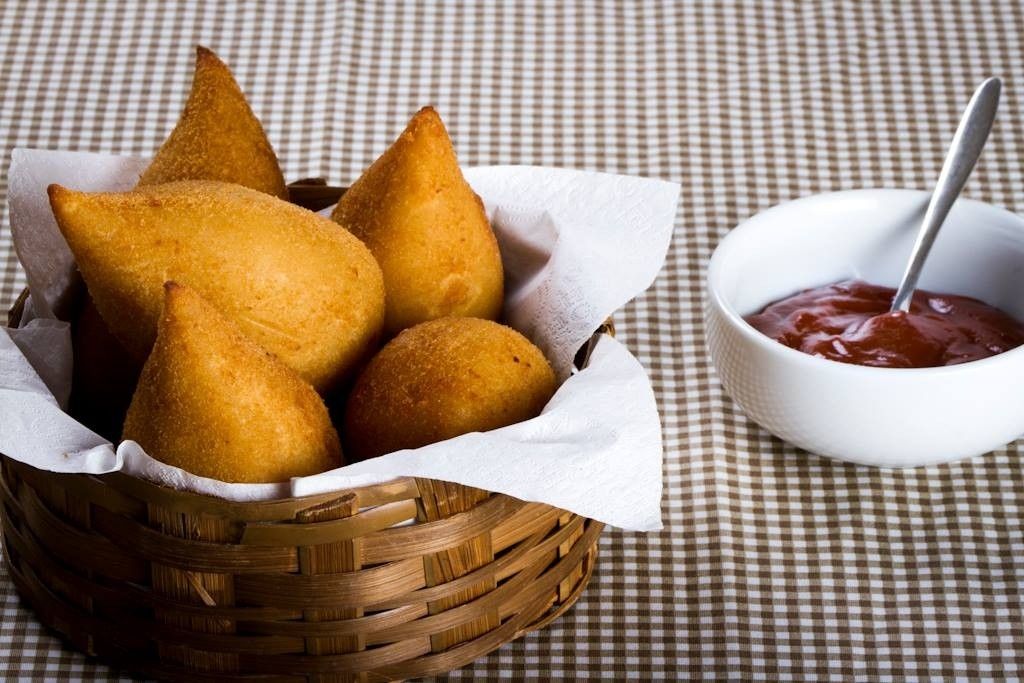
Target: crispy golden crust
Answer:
[[217, 137], [444, 378], [212, 402], [295, 283], [427, 229]]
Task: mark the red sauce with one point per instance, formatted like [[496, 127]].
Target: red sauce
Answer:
[[850, 322]]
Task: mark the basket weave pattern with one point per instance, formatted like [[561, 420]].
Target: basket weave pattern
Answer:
[[391, 581]]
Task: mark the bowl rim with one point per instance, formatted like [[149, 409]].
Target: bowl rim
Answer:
[[716, 298]]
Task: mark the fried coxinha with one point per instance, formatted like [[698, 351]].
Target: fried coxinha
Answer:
[[213, 402], [441, 379], [265, 297], [217, 137], [427, 228], [296, 284]]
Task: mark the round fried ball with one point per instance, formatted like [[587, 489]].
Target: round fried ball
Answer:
[[444, 378]]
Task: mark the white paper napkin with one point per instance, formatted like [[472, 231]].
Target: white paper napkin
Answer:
[[576, 247]]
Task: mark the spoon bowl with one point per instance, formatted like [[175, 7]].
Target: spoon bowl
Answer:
[[878, 416]]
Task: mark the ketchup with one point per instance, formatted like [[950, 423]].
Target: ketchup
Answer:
[[850, 322]]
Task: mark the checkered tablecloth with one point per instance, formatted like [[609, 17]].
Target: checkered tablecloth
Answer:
[[774, 563]]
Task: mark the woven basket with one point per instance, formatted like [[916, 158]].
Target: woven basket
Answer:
[[393, 581]]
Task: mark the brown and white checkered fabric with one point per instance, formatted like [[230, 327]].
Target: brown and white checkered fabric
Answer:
[[774, 564]]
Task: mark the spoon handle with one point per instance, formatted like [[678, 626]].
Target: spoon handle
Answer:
[[963, 154]]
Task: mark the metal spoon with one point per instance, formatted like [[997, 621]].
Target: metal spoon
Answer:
[[963, 153]]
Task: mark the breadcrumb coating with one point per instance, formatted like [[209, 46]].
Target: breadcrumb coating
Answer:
[[297, 285], [214, 403], [444, 378], [427, 229], [217, 136]]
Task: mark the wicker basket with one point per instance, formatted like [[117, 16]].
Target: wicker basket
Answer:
[[326, 588], [394, 581]]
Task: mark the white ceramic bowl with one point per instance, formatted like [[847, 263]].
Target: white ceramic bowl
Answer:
[[877, 416]]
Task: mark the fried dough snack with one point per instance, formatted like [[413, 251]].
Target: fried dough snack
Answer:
[[444, 378], [427, 229], [294, 283], [214, 403], [217, 137]]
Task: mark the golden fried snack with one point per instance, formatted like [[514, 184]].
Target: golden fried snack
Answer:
[[427, 228], [214, 403], [217, 137], [297, 285], [444, 378]]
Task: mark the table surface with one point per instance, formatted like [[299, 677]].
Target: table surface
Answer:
[[774, 563]]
